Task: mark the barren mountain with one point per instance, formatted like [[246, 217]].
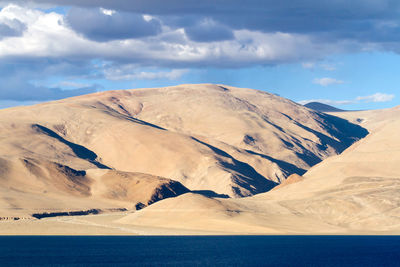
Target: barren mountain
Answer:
[[354, 192], [112, 149]]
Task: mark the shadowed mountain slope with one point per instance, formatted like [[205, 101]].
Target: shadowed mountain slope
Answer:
[[210, 138], [354, 192]]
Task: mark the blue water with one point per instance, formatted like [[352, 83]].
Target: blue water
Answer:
[[201, 251]]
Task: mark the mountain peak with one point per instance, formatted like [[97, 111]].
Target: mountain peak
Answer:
[[321, 107]]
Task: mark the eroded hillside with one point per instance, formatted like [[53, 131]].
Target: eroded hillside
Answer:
[[218, 140]]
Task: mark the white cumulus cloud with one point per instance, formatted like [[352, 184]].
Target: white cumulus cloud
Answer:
[[108, 12], [327, 81], [129, 73], [50, 35], [378, 97], [323, 66], [328, 102]]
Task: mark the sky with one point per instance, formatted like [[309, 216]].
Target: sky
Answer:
[[338, 52]]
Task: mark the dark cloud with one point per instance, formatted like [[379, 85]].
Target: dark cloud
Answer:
[[252, 9], [105, 25], [209, 31], [360, 20], [258, 32], [33, 68], [10, 28]]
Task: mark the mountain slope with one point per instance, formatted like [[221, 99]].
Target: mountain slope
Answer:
[[354, 192], [31, 186], [219, 139]]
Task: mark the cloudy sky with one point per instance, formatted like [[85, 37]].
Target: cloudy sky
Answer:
[[340, 52]]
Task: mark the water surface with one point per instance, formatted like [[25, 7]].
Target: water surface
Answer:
[[200, 250]]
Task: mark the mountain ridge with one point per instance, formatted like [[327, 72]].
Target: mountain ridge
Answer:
[[355, 192], [217, 139]]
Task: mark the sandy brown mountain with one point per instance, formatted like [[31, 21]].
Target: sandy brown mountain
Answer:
[[91, 151], [355, 192]]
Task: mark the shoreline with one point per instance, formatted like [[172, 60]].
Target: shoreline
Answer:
[[104, 225]]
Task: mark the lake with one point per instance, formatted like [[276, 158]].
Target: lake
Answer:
[[200, 250]]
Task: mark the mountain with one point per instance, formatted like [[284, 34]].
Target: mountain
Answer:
[[127, 149], [317, 106], [356, 192]]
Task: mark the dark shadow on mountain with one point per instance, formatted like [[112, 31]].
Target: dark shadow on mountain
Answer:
[[112, 112], [209, 193], [273, 124], [144, 123], [172, 189], [285, 166], [66, 213], [213, 148], [247, 177], [345, 132], [243, 174], [224, 88], [308, 157], [80, 151]]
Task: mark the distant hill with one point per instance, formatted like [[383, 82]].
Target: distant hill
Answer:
[[317, 106]]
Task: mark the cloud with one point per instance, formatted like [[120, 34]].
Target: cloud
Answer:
[[313, 65], [220, 36], [378, 97], [108, 12], [209, 31], [104, 25], [11, 27], [364, 20], [154, 35], [327, 81], [49, 35], [328, 102], [328, 67], [308, 65], [130, 73], [71, 84]]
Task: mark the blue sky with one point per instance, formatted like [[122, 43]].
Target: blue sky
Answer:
[[342, 54]]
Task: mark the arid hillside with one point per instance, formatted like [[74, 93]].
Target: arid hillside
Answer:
[[356, 192], [127, 149]]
